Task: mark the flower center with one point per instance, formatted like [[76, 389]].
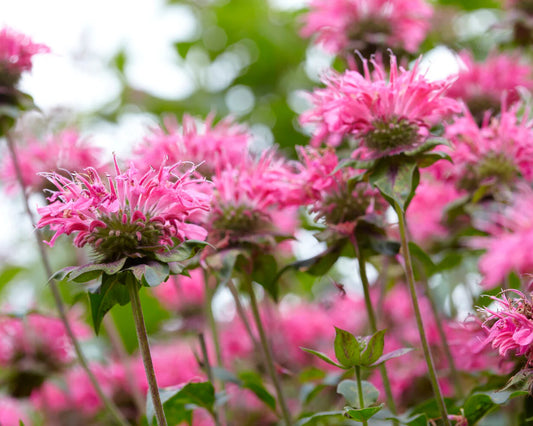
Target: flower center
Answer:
[[342, 206], [126, 236], [493, 168], [238, 221], [388, 135]]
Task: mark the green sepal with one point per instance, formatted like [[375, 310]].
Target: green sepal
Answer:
[[347, 348], [374, 349]]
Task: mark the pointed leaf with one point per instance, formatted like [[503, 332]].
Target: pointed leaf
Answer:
[[394, 354], [264, 273], [252, 381], [362, 414], [323, 357], [184, 251], [155, 273], [347, 348], [428, 145], [397, 182], [112, 291], [348, 389], [374, 348], [337, 416], [480, 404], [431, 158]]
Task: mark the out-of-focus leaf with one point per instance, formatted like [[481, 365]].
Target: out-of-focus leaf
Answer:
[[348, 389], [361, 414], [323, 415], [112, 291]]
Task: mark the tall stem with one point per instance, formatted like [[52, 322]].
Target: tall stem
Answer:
[[360, 390], [209, 372], [268, 355], [372, 320], [420, 324], [208, 307], [142, 337], [110, 406]]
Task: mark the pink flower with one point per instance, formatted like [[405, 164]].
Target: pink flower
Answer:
[[16, 51], [510, 232], [425, 214], [64, 151], [348, 25], [510, 330], [384, 115], [482, 84], [12, 413], [247, 198], [132, 215], [181, 293], [328, 191], [213, 147], [497, 152]]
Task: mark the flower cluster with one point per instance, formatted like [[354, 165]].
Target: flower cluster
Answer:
[[133, 215], [212, 146], [56, 153], [349, 25], [385, 116]]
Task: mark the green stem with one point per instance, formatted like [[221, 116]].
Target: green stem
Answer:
[[268, 355], [211, 319], [372, 320], [420, 324], [60, 306], [209, 371], [142, 337], [360, 390]]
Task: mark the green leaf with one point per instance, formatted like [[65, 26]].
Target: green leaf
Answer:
[[361, 414], [430, 158], [323, 357], [252, 381], [374, 348], [396, 181], [422, 261], [184, 251], [417, 420], [264, 273], [151, 273], [354, 164], [428, 145], [347, 348], [479, 405], [113, 290], [90, 271], [311, 420], [348, 389], [394, 354]]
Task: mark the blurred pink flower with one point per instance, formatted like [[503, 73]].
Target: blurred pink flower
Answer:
[[327, 190], [181, 293], [385, 115], [16, 52], [510, 232], [481, 85], [12, 413], [213, 147], [247, 198], [56, 153], [133, 215], [497, 152], [510, 329], [348, 25]]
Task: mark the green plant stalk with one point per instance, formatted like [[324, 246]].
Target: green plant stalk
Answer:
[[108, 403], [372, 321], [454, 374], [142, 337], [420, 324], [209, 372], [360, 390], [268, 354], [208, 308]]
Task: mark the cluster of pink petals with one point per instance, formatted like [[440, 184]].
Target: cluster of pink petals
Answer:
[[326, 188], [510, 231], [12, 413], [255, 189], [83, 201], [36, 336], [333, 20], [213, 146], [425, 214], [510, 329], [16, 50], [498, 75], [181, 293], [505, 136], [352, 103], [64, 151]]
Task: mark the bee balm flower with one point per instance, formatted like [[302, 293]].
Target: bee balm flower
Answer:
[[131, 215]]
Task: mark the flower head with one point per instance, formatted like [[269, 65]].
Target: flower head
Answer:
[[349, 25], [16, 52], [212, 146], [384, 116], [510, 329], [64, 151], [131, 215], [481, 85], [510, 231]]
